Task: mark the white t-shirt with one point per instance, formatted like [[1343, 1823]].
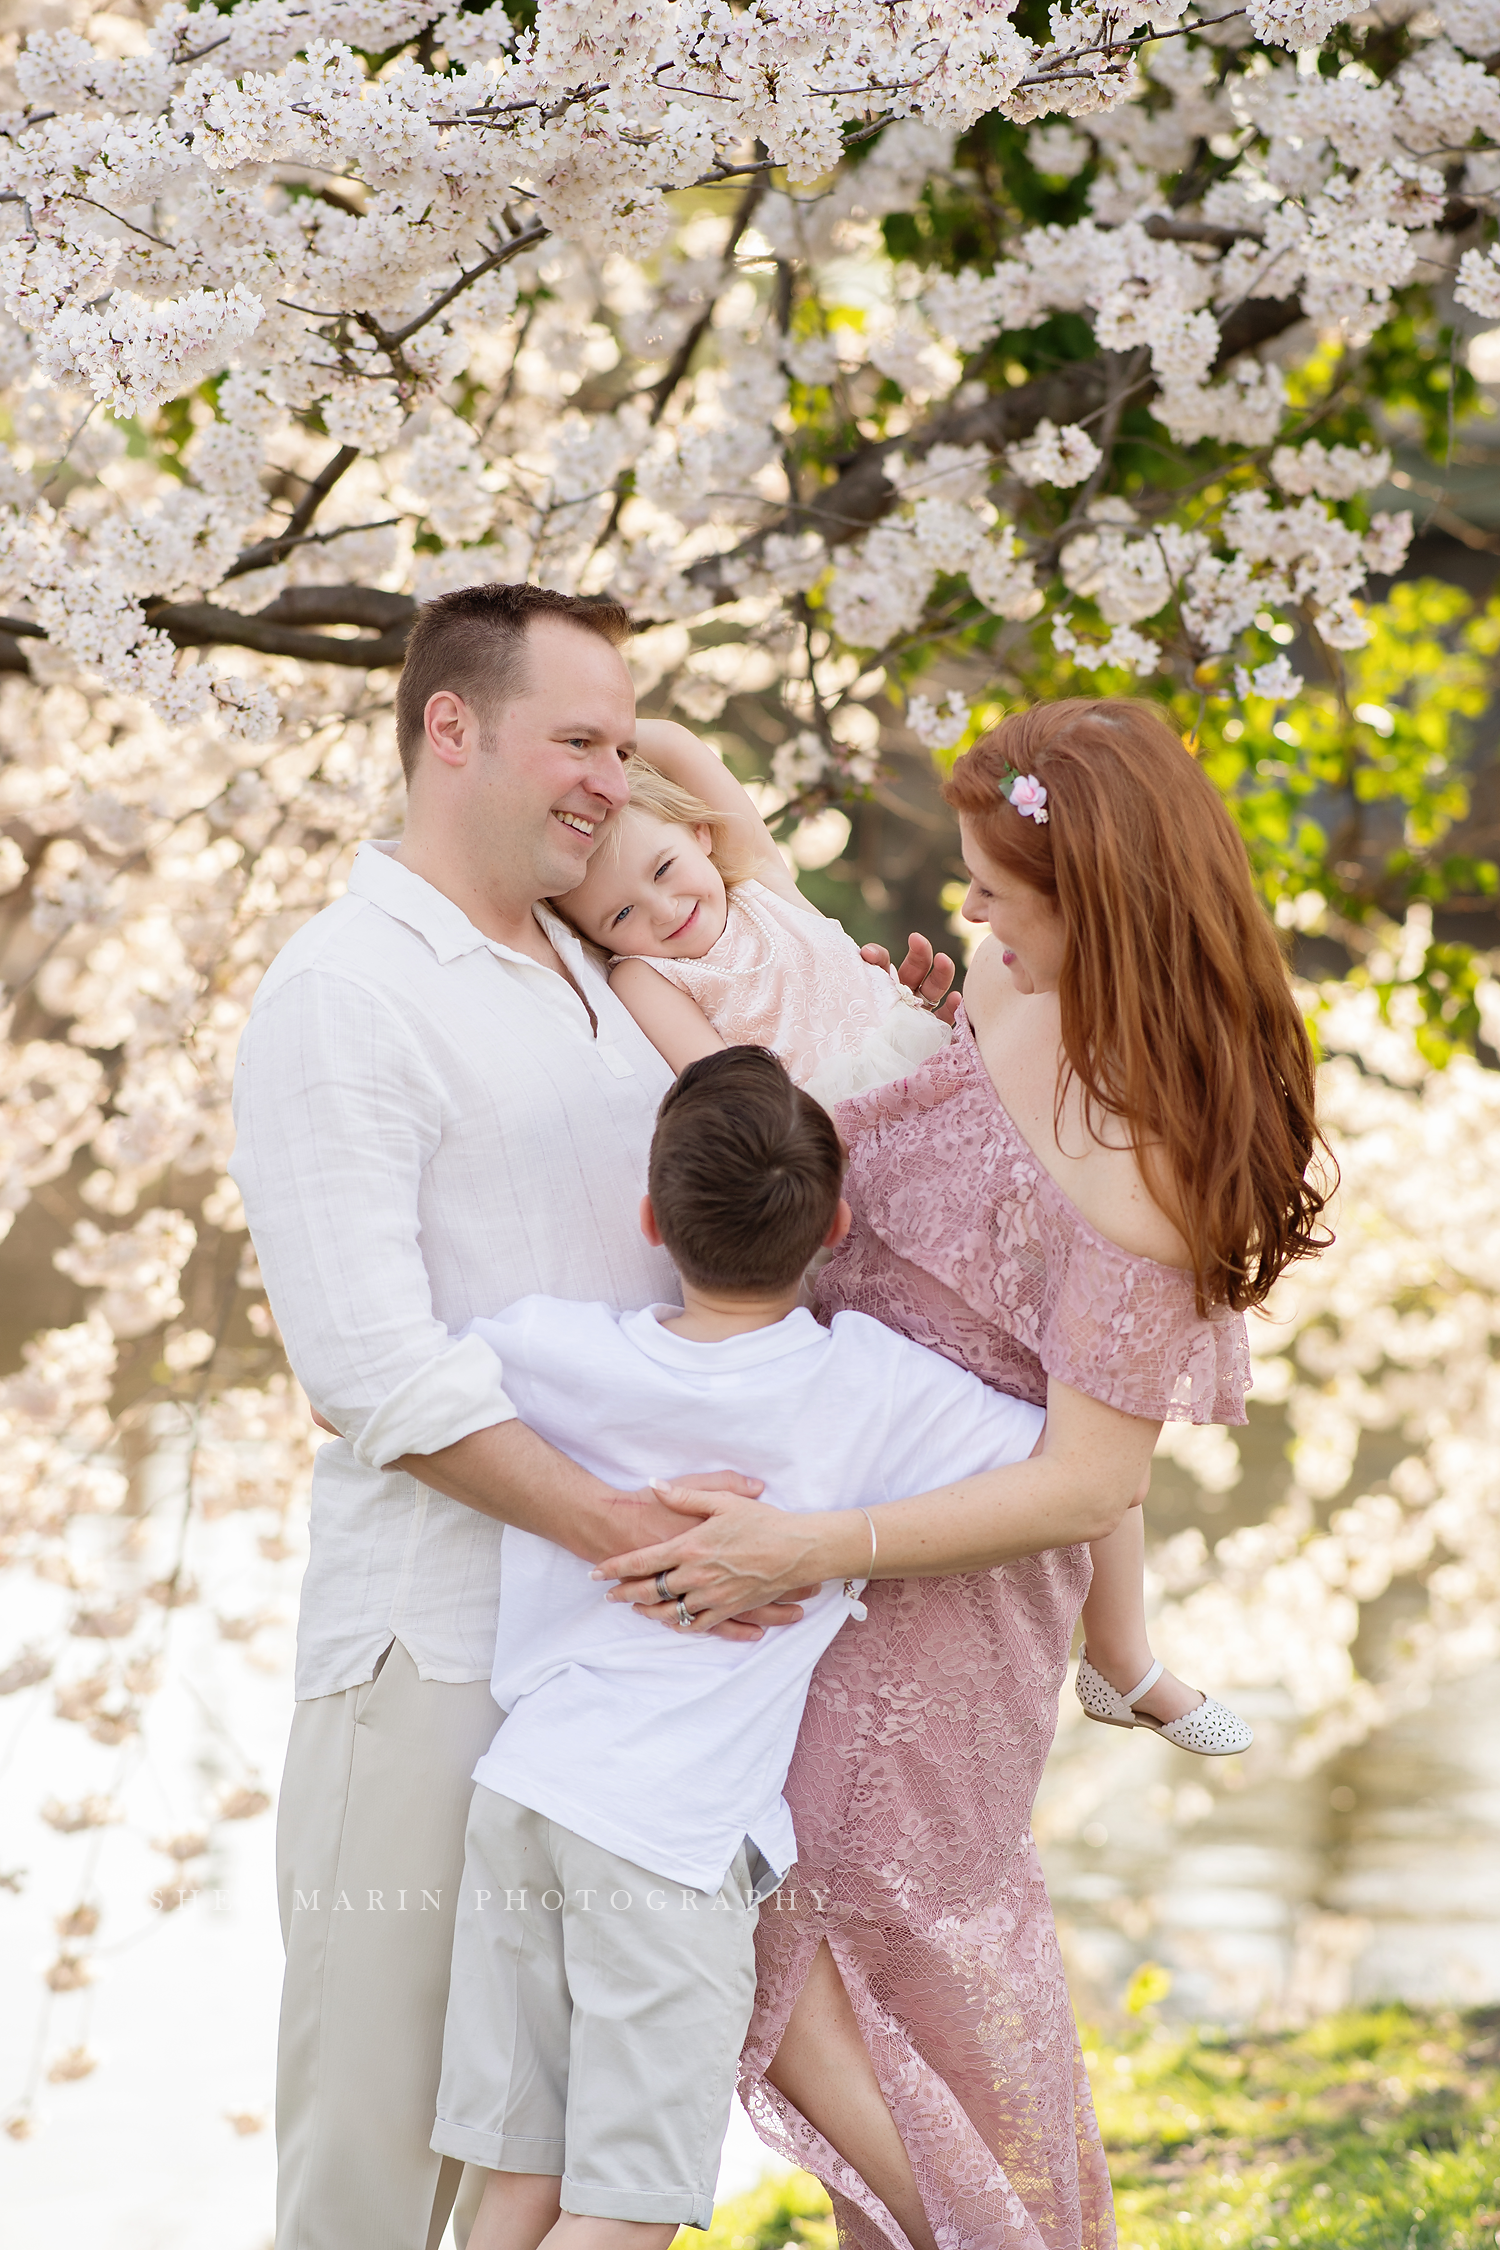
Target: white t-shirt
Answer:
[[666, 1749]]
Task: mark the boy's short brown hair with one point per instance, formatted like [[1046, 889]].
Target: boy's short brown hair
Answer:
[[473, 642], [746, 1173]]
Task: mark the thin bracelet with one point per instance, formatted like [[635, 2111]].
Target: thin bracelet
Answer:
[[858, 1609]]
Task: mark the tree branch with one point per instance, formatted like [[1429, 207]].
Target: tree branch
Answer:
[[862, 493], [281, 628], [272, 549], [1162, 229], [856, 500], [682, 358], [392, 339], [369, 606], [266, 551], [661, 391]]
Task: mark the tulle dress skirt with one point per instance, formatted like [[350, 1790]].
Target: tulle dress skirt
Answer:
[[904, 1039]]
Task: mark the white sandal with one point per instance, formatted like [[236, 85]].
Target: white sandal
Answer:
[[1212, 1730]]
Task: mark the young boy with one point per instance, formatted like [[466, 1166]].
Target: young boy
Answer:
[[628, 1818]]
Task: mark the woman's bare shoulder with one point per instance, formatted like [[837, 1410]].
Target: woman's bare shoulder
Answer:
[[988, 990], [1115, 1196], [1106, 1179]]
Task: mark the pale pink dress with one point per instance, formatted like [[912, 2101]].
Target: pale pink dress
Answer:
[[928, 1726], [784, 977]]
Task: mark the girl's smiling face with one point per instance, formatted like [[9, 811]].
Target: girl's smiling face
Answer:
[[651, 889], [1026, 924]]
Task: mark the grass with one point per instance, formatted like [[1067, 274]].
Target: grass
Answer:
[[790, 2210], [1374, 2130]]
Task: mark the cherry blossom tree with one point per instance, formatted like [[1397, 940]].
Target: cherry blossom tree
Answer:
[[889, 361]]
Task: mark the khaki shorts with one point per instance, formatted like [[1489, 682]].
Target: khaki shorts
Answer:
[[595, 2018]]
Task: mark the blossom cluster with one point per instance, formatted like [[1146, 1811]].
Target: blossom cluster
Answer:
[[1381, 1356], [347, 246]]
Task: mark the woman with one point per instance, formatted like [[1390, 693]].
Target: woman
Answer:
[[1077, 1199]]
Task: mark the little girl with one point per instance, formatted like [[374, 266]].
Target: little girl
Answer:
[[714, 946]]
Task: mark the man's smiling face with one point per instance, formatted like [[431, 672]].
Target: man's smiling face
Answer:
[[556, 752]]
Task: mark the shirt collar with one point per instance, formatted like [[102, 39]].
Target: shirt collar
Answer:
[[796, 1333], [407, 897], [566, 942]]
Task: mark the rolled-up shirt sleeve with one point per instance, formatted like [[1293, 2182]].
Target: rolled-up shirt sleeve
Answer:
[[336, 1115]]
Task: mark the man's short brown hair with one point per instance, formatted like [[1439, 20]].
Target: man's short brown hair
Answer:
[[746, 1173], [473, 642]]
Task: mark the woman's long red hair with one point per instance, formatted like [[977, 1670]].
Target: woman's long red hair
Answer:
[[1177, 1011]]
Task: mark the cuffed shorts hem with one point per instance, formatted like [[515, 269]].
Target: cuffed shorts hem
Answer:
[[599, 2031], [497, 2152], [682, 2206]]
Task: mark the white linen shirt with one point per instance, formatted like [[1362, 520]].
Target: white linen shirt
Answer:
[[668, 1749], [427, 1124]]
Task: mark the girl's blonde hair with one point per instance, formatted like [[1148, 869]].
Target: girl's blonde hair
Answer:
[[652, 792]]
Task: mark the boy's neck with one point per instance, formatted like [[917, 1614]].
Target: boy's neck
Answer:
[[711, 1316]]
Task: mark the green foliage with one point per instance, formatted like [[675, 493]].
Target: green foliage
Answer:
[[1346, 796], [970, 218], [791, 2211], [1373, 2130], [1387, 733], [1447, 984], [1146, 1990], [1408, 366]]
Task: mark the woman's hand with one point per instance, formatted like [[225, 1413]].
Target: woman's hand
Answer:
[[923, 972], [738, 1557]]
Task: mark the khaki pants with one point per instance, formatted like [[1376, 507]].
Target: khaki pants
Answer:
[[369, 1855]]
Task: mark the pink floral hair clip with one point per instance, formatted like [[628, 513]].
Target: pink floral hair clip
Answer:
[[1026, 794]]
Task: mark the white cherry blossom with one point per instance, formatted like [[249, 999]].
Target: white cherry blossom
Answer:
[[1055, 456]]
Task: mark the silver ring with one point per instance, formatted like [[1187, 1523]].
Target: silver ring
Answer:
[[663, 1590], [684, 1616]]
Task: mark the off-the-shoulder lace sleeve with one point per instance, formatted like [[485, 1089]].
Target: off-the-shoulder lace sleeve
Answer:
[[1127, 1331]]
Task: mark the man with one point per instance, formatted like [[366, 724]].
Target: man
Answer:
[[441, 1108]]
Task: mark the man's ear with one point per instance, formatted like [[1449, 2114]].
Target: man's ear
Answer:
[[449, 726], [843, 1219], [649, 1227]]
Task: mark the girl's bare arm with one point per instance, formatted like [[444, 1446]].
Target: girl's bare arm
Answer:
[[678, 753], [675, 751], [671, 1018]]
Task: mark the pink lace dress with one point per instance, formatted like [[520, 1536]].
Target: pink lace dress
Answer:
[[787, 978], [928, 1726]]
